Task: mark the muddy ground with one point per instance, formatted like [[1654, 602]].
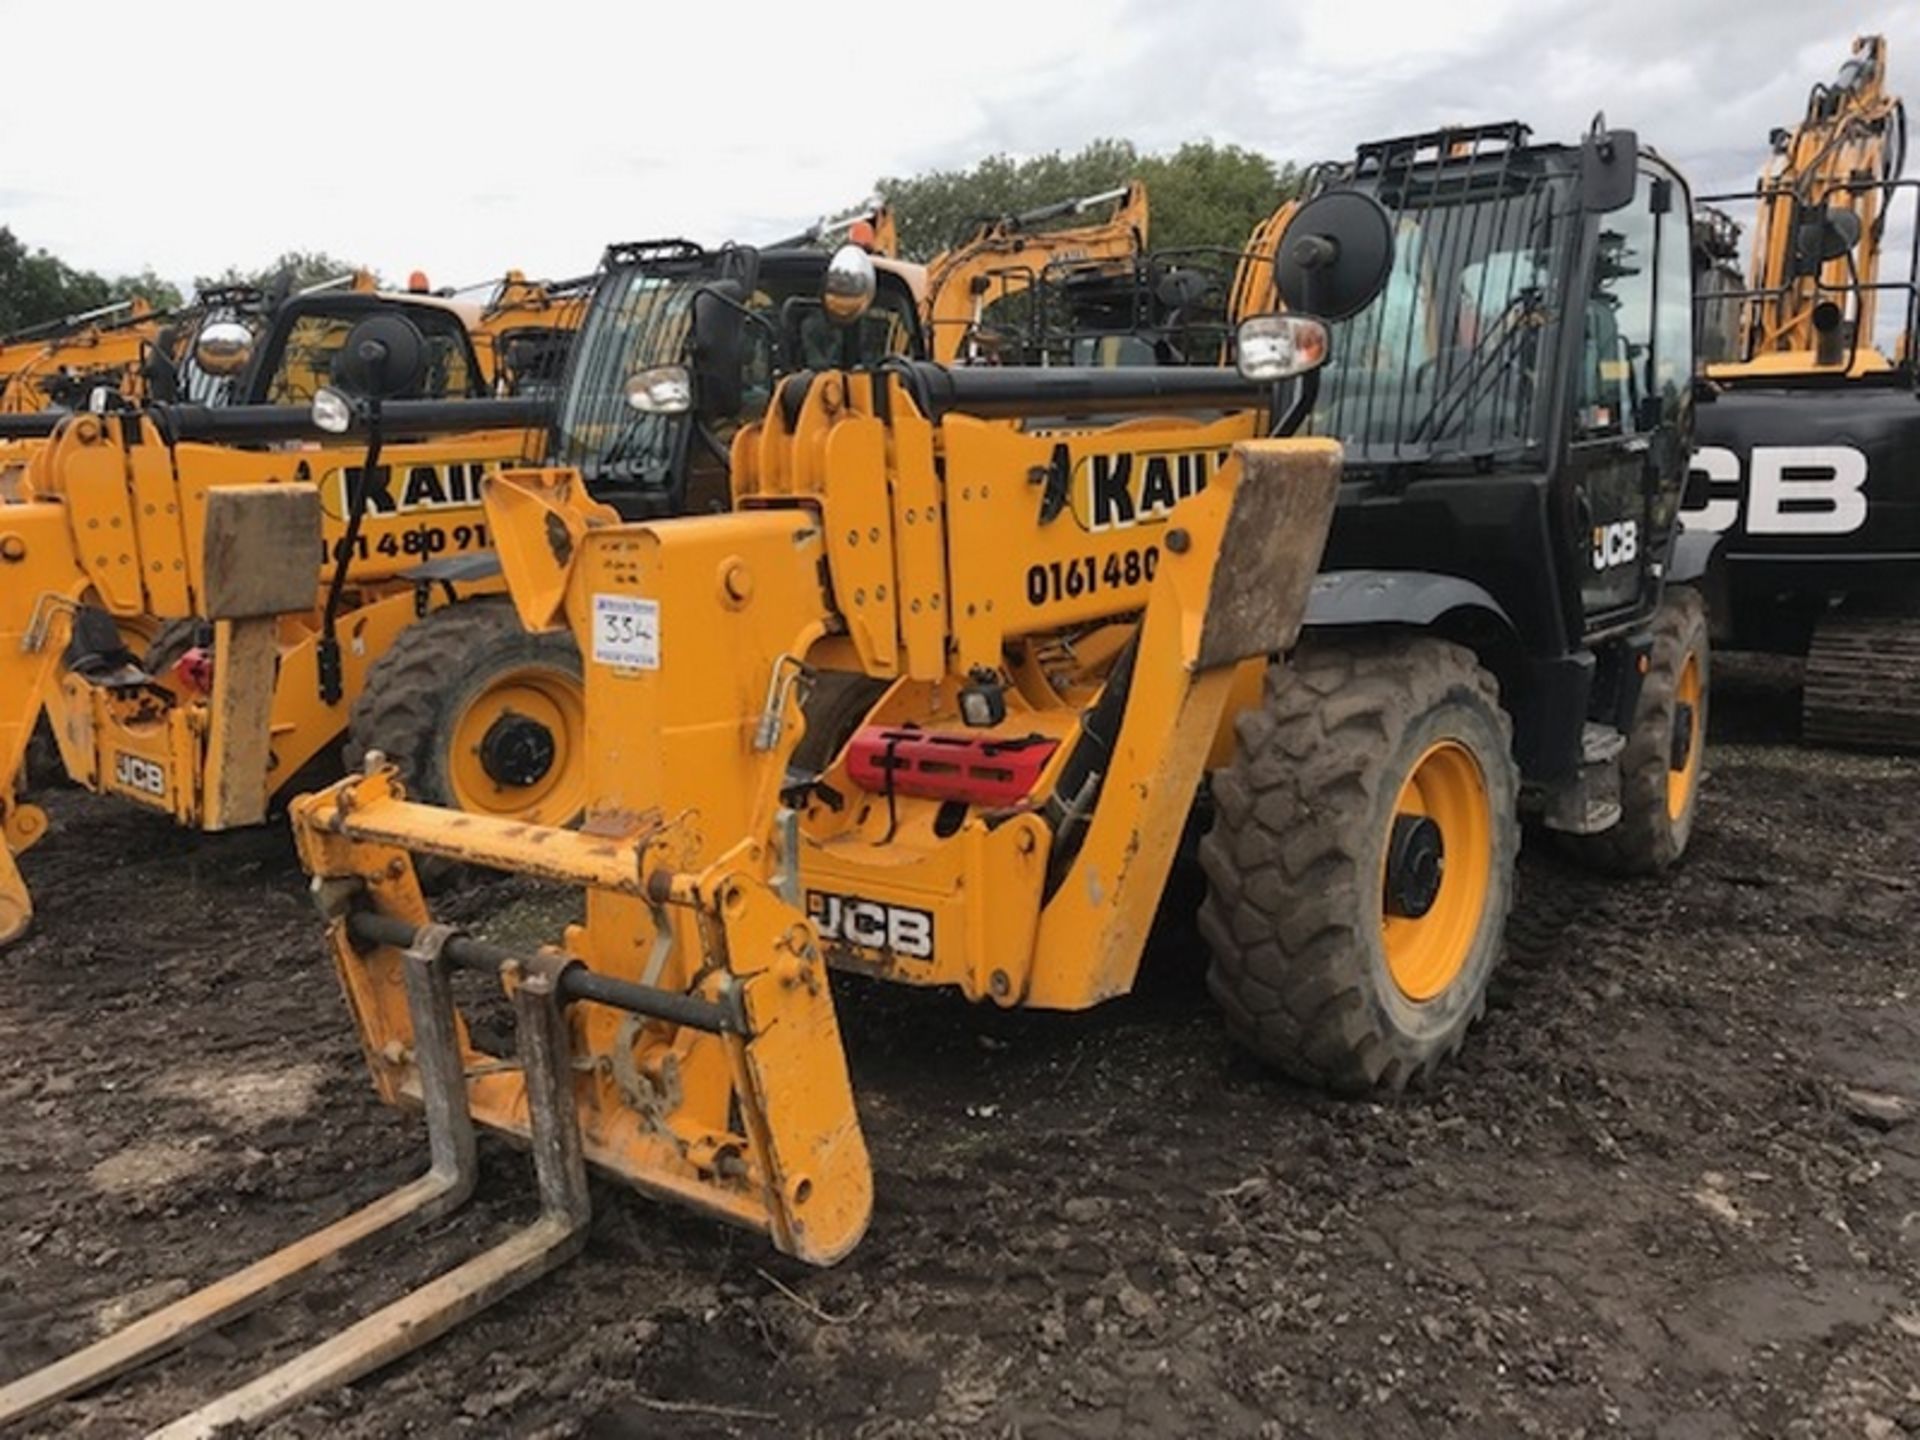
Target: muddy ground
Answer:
[[1671, 1188]]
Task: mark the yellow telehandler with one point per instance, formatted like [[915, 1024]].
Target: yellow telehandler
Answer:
[[940, 695], [192, 595]]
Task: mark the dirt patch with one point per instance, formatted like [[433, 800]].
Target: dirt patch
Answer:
[[246, 1099], [145, 1167], [1649, 1198]]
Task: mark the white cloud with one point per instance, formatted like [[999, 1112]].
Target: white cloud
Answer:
[[464, 139]]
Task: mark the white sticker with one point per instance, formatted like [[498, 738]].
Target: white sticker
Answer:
[[626, 632]]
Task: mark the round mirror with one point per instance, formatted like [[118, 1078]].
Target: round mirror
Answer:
[[1336, 255], [849, 286], [223, 347], [385, 356], [1827, 234]]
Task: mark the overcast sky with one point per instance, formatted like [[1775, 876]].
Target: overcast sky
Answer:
[[464, 139]]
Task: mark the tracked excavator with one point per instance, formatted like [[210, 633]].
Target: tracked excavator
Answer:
[[1808, 465], [1062, 598]]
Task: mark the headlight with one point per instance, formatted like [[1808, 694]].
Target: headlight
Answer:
[[662, 390], [1278, 347], [332, 411]]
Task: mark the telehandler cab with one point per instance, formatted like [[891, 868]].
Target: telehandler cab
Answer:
[[1055, 600]]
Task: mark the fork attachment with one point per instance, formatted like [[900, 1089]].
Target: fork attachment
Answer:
[[709, 1069], [431, 1070], [425, 1314], [434, 1065]]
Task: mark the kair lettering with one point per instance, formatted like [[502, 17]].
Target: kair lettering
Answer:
[[392, 489], [1135, 487]]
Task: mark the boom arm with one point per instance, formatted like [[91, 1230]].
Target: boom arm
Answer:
[[1005, 258], [1838, 160]]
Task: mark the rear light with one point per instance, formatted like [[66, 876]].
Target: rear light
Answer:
[[936, 765], [193, 671]]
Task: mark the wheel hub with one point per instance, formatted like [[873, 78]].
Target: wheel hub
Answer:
[[1682, 736], [517, 750], [1416, 860]]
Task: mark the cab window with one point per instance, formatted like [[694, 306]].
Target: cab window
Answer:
[[1673, 323], [314, 342], [1616, 359]]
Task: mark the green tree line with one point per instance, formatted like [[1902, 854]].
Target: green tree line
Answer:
[[37, 287], [1200, 195]]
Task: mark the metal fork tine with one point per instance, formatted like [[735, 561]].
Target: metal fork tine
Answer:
[[440, 1304], [445, 1187]]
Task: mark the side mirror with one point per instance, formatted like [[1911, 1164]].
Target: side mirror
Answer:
[[223, 347], [1609, 167], [1181, 290], [1824, 234], [719, 348], [157, 369], [1336, 255], [849, 286], [384, 357]]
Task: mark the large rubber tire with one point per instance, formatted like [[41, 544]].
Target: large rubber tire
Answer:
[[170, 641], [1658, 801], [428, 697], [1296, 863], [837, 704]]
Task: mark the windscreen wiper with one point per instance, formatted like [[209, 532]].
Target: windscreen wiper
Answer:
[[1497, 351]]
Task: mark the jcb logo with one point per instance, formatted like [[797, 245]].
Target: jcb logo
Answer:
[[1793, 490], [871, 925], [1113, 491], [390, 490], [136, 773], [1616, 544]]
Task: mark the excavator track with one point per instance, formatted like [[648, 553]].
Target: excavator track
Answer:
[[1863, 683]]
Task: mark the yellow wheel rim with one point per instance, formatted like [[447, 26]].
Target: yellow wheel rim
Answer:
[[519, 746], [1682, 778], [1427, 942]]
